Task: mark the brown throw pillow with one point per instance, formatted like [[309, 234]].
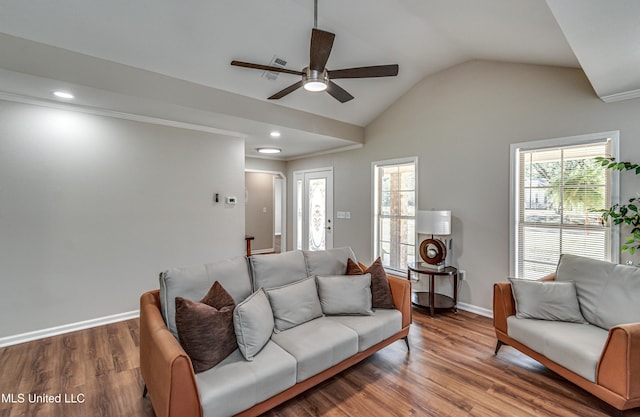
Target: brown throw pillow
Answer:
[[205, 328], [218, 297], [380, 290]]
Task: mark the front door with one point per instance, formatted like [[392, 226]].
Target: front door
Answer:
[[313, 198]]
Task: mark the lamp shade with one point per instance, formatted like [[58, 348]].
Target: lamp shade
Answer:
[[434, 222]]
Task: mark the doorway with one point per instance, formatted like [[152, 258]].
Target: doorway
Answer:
[[313, 205], [265, 211]]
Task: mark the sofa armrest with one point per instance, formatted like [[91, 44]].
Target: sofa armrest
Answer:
[[165, 367], [401, 293], [503, 305], [619, 365]]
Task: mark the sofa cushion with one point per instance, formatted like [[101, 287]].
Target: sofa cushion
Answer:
[[253, 324], [590, 278], [205, 328], [294, 304], [380, 291], [328, 262], [606, 291], [546, 300], [575, 346], [193, 283], [247, 383], [619, 299], [271, 271], [344, 294], [317, 345], [381, 325]]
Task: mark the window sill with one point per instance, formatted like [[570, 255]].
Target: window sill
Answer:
[[396, 272]]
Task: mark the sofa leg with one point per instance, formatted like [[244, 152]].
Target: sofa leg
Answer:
[[145, 391], [406, 341], [498, 346]]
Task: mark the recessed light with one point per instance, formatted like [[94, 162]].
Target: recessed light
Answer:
[[275, 134], [63, 94], [269, 150]]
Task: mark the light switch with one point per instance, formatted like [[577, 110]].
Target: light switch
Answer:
[[347, 215], [340, 214], [264, 209]]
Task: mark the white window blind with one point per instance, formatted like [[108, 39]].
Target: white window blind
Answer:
[[395, 212], [557, 190]]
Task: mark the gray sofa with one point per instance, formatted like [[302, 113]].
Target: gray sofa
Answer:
[[292, 360], [582, 322]]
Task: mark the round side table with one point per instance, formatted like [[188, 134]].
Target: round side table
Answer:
[[430, 299]]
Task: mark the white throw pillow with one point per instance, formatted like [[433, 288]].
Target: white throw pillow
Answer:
[[546, 300], [294, 304], [345, 294], [253, 324]]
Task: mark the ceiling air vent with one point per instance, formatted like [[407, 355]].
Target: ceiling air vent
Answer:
[[275, 62]]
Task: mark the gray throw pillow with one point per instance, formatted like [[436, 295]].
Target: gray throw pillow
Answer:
[[546, 300], [253, 324], [294, 304], [345, 294]]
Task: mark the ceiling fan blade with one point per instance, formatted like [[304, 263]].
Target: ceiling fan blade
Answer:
[[365, 72], [338, 92], [288, 90], [265, 67], [321, 44]]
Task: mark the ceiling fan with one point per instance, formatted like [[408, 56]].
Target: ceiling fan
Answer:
[[316, 77]]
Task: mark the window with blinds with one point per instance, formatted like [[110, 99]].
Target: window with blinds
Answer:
[[395, 212], [557, 192]]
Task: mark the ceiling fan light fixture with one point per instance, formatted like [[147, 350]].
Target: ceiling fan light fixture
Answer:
[[315, 81], [315, 86]]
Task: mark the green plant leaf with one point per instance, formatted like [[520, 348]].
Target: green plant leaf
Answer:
[[623, 214]]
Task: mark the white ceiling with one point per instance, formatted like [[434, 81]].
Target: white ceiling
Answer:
[[194, 40]]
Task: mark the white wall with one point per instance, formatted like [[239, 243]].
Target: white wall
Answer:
[[262, 164], [460, 123], [92, 208]]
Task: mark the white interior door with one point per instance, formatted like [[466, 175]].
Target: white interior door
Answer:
[[313, 198]]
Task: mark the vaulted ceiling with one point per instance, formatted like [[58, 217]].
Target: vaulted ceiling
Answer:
[[194, 41]]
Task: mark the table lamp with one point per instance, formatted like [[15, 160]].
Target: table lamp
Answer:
[[433, 222]]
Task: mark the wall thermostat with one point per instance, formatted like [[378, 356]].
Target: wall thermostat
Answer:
[[231, 200]]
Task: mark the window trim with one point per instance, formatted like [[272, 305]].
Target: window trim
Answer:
[[614, 135], [374, 204]]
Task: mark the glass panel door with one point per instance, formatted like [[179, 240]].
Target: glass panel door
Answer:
[[314, 207]]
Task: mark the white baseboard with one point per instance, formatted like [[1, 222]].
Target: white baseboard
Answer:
[[475, 309], [66, 328]]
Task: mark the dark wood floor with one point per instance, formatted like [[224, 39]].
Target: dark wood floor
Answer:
[[450, 371]]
